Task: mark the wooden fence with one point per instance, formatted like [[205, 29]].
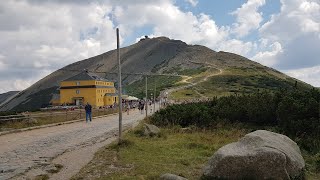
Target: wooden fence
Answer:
[[65, 115]]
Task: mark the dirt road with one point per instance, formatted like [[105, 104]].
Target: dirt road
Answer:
[[28, 154]]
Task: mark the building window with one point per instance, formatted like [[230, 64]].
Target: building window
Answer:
[[77, 91], [78, 83]]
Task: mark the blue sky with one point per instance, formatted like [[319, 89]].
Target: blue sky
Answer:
[[40, 36]]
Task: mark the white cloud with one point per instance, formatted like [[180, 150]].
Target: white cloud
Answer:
[[2, 65], [297, 29], [309, 75], [42, 36], [39, 37], [192, 2], [268, 57], [168, 20], [247, 17], [297, 18], [237, 46]]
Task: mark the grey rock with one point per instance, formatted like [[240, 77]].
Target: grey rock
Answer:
[[258, 155], [32, 121], [186, 130], [151, 130], [51, 168], [168, 176]]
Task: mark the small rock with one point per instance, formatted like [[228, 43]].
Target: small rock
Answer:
[[32, 121], [51, 168], [186, 130], [169, 176], [151, 130]]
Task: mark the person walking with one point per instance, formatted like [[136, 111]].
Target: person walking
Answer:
[[88, 109], [127, 106], [142, 107], [150, 104]]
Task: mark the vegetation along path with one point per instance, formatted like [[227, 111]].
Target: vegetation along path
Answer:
[[58, 152], [187, 79]]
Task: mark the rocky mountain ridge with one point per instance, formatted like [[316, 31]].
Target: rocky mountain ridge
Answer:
[[155, 55]]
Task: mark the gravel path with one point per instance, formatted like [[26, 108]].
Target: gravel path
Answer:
[[28, 154]]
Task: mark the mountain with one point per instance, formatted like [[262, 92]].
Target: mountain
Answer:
[[7, 95], [161, 55]]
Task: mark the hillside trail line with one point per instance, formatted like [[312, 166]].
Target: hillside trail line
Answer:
[[27, 154], [191, 84]]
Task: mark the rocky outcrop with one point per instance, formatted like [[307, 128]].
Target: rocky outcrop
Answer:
[[258, 155], [151, 130], [168, 176]]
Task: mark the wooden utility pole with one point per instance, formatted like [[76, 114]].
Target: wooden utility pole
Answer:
[[119, 87], [146, 101], [154, 96]]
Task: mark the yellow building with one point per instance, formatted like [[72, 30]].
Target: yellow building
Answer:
[[87, 87]]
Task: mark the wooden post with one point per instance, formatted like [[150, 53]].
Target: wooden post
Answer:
[[154, 96], [119, 87], [146, 101]]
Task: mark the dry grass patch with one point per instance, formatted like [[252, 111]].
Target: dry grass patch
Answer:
[[139, 157]]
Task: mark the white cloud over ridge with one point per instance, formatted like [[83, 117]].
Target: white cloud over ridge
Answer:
[[310, 75], [268, 57]]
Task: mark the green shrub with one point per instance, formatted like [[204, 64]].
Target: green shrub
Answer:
[[294, 113]]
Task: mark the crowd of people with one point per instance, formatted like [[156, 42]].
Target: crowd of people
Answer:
[[127, 106], [140, 105]]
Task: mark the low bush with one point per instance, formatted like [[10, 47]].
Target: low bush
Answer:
[[294, 113]]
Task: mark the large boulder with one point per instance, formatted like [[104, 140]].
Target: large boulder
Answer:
[[151, 130], [168, 176], [258, 155]]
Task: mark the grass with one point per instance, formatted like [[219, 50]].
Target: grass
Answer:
[[184, 154], [184, 94], [51, 119], [192, 72], [245, 80], [137, 88], [312, 165], [237, 80]]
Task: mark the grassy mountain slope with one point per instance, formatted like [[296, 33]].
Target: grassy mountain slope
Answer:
[[5, 96], [159, 55]]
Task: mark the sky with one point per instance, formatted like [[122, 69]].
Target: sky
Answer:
[[41, 36]]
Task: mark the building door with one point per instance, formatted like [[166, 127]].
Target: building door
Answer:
[[78, 102]]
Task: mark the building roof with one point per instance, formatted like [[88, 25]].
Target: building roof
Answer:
[[86, 76]]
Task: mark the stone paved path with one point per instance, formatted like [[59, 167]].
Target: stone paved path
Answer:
[[26, 151]]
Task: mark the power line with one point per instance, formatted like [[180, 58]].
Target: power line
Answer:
[[114, 73]]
